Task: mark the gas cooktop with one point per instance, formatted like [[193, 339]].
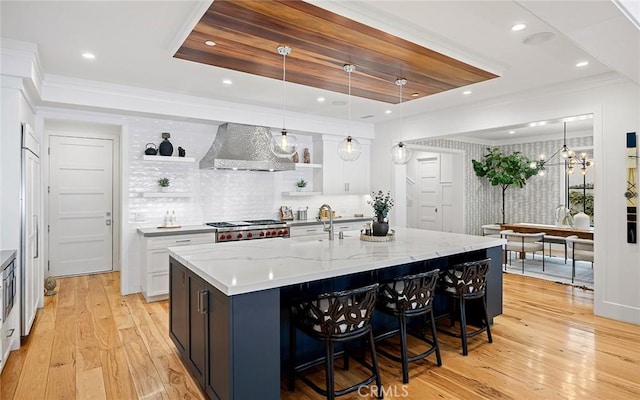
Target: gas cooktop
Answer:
[[228, 231], [246, 223]]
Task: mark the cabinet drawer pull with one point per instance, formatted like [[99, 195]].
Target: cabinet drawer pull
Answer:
[[183, 241], [311, 230], [343, 227], [202, 301]]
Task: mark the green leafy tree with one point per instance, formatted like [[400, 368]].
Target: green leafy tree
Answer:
[[504, 170]]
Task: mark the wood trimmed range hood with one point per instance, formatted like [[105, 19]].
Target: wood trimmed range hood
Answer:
[[247, 34]]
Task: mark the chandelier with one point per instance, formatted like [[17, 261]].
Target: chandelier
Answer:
[[568, 158]]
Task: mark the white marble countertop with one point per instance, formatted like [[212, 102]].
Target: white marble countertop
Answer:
[[252, 265]]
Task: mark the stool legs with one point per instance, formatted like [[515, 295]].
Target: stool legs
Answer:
[[374, 363], [435, 339], [329, 370], [486, 319], [463, 326], [403, 348]]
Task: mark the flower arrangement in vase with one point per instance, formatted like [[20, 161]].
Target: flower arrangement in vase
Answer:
[[381, 204]]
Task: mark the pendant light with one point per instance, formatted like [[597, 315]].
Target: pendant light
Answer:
[[349, 149], [400, 153], [284, 145]]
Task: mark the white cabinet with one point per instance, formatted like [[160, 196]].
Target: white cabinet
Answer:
[[316, 229], [307, 230], [338, 176], [154, 261]]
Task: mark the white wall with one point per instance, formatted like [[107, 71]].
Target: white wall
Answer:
[[616, 108]]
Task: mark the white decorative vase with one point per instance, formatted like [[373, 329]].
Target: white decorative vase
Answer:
[[581, 221], [164, 189]]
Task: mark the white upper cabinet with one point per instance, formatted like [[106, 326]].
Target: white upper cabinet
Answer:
[[338, 176]]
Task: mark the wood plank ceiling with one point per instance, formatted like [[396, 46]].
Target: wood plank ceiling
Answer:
[[247, 34]]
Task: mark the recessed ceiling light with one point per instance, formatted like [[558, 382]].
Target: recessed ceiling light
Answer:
[[512, 132], [388, 111], [89, 56], [466, 92], [415, 94], [320, 99], [210, 43], [582, 64], [227, 82], [518, 27]]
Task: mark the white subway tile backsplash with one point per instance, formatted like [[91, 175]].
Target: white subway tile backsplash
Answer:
[[215, 194]]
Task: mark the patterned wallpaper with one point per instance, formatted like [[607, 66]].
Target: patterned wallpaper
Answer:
[[536, 202]]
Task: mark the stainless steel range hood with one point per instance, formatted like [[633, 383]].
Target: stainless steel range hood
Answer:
[[244, 147]]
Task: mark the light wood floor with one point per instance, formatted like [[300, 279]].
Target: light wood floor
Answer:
[[89, 342]]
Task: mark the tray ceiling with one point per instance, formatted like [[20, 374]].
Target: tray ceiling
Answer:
[[247, 34]]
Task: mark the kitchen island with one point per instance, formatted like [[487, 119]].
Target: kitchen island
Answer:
[[228, 311]]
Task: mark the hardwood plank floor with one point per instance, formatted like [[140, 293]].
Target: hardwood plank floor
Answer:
[[89, 342]]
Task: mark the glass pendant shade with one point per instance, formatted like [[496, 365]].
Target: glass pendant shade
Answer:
[[400, 154], [284, 145], [349, 149]]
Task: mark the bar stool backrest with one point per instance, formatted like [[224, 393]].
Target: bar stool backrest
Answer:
[[338, 313], [411, 292], [468, 279]]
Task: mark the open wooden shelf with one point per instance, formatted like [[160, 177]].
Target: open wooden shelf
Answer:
[[169, 159], [166, 194], [301, 193], [304, 165]]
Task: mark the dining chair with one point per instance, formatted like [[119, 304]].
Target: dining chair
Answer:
[[523, 243], [580, 250], [492, 230]]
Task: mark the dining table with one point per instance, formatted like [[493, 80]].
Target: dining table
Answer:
[[552, 230]]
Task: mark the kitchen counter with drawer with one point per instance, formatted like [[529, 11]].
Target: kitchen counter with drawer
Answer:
[[232, 300], [183, 230], [314, 226], [154, 257]]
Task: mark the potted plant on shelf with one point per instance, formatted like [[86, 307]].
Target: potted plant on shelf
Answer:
[[300, 184], [164, 184], [504, 170], [381, 204]]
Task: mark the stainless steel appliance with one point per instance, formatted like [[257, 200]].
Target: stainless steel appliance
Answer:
[[250, 229]]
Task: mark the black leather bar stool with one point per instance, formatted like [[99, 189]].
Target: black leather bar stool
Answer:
[[408, 297], [462, 283], [337, 317]]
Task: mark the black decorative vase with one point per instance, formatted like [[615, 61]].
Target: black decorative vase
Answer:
[[166, 148], [380, 227]]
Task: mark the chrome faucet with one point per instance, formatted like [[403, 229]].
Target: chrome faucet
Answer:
[[330, 229]]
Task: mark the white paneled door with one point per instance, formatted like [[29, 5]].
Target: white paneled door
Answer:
[[440, 189], [430, 213], [80, 205]]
